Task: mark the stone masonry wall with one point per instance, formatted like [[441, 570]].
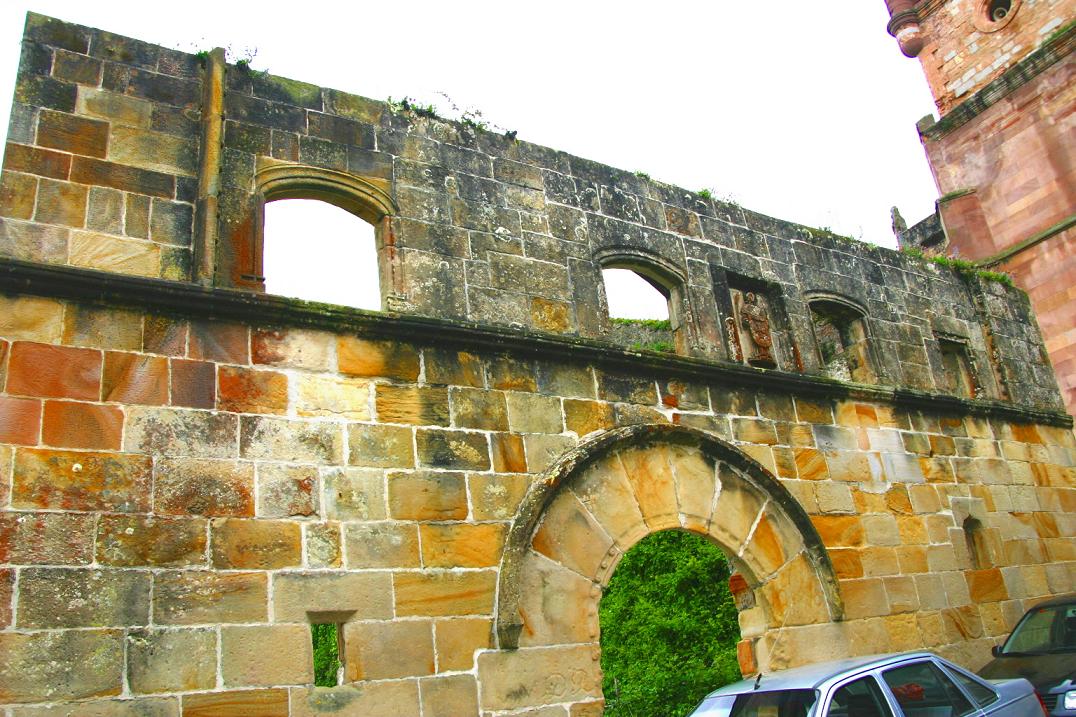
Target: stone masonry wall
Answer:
[[963, 51], [193, 472]]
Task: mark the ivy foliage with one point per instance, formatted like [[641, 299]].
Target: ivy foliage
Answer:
[[669, 627], [326, 654]]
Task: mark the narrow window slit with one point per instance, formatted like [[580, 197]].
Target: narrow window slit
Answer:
[[326, 638]]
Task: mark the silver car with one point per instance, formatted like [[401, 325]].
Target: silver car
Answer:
[[912, 684]]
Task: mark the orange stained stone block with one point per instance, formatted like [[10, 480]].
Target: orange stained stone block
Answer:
[[647, 470], [54, 371], [388, 359], [811, 464], [244, 390], [20, 420], [444, 594], [135, 378], [67, 424], [462, 545], [571, 536], [839, 531], [237, 703]]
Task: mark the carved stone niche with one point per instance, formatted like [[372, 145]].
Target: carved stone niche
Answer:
[[751, 329]]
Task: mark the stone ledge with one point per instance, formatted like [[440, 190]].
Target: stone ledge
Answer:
[[189, 300]]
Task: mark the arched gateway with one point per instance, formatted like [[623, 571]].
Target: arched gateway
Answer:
[[596, 503]]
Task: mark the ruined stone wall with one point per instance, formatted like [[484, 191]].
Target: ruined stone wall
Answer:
[[194, 474]]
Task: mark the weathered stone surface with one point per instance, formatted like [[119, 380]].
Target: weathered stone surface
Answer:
[[204, 487], [496, 496], [354, 494], [380, 446], [537, 676], [415, 405], [287, 491], [387, 698], [171, 660], [244, 390], [321, 545], [571, 536], [61, 665], [241, 544], [237, 703], [381, 545], [30, 318], [68, 424], [474, 408], [255, 655], [558, 606], [460, 450], [293, 348], [54, 371], [427, 496], [81, 481], [534, 413], [73, 597], [387, 650], [444, 593], [368, 595], [462, 545], [196, 597], [457, 640], [136, 540], [362, 357], [333, 397], [449, 696], [297, 441], [180, 432], [46, 538]]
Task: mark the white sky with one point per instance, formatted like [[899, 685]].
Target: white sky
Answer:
[[804, 111]]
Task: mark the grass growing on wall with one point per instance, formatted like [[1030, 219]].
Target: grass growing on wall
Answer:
[[668, 627]]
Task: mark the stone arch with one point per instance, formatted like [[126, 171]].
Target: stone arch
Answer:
[[615, 489]]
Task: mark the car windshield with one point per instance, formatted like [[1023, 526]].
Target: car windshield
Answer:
[[1044, 630], [779, 703]]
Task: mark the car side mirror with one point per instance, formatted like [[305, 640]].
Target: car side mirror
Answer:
[[996, 650]]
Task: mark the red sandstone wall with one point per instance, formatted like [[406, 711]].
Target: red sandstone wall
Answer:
[[963, 53]]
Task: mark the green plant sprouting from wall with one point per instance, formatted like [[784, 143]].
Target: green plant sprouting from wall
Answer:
[[963, 267], [471, 117], [652, 324], [326, 654]]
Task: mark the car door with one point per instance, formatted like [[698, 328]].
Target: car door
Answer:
[[922, 689]]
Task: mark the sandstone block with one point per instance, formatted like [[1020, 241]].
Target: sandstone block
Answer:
[[544, 450], [427, 496], [180, 432], [61, 203], [900, 590], [33, 319], [456, 368], [846, 563], [534, 413], [695, 478], [35, 160], [795, 595], [81, 481], [380, 446], [415, 405], [293, 348], [239, 544], [605, 491], [237, 703], [386, 650], [155, 151], [535, 676], [569, 535], [195, 597], [478, 409], [46, 538], [137, 540], [61, 665], [281, 439], [67, 424], [879, 561], [462, 545], [244, 390], [91, 250], [187, 486], [266, 655], [354, 494], [368, 595], [457, 640], [496, 496], [384, 698], [510, 374], [444, 594], [219, 341], [384, 359], [381, 545], [987, 585], [194, 383], [102, 327], [133, 378], [584, 417], [171, 660], [452, 449], [839, 531], [34, 242], [20, 420], [7, 589], [105, 211], [54, 371], [71, 133], [286, 491], [864, 598], [321, 543], [509, 453], [556, 604], [333, 397], [449, 696], [73, 597]]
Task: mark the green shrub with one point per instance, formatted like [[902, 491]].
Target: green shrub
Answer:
[[669, 627], [326, 654]]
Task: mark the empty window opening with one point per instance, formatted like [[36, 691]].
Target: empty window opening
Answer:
[[998, 10], [959, 378], [316, 251], [328, 668], [975, 537], [639, 310], [669, 626], [841, 336]]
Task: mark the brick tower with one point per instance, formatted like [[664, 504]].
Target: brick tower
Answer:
[[1002, 75]]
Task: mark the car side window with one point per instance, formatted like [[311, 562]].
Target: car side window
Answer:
[[978, 691], [861, 698], [922, 690]]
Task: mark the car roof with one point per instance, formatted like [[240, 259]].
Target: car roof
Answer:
[[815, 675], [1069, 599]]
